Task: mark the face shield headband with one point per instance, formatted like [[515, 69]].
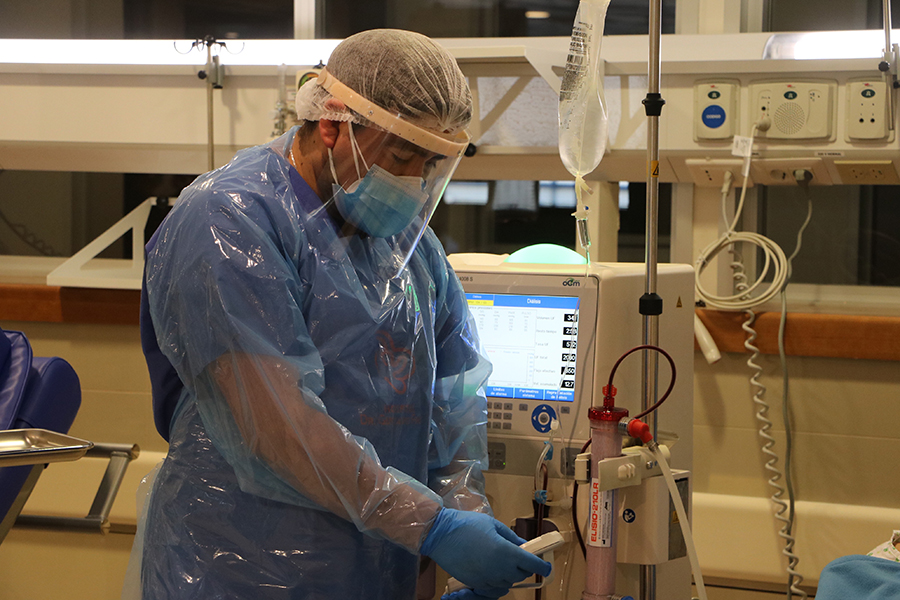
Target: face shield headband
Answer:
[[443, 144]]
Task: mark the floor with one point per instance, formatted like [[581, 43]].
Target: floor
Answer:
[[728, 593]]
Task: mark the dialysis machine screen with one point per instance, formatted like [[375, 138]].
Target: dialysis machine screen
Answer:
[[531, 341]]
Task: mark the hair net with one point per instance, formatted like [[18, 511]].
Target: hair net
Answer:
[[403, 72]]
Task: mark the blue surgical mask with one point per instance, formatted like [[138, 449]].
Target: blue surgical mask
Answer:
[[381, 204]]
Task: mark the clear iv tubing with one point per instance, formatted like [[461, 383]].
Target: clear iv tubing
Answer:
[[682, 518], [581, 215], [540, 463]]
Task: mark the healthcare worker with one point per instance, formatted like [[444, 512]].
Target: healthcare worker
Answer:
[[313, 364]]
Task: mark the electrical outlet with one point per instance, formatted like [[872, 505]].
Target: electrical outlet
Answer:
[[871, 172], [867, 110], [711, 172], [496, 456], [780, 171]]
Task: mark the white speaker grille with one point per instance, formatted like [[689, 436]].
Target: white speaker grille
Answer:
[[789, 118]]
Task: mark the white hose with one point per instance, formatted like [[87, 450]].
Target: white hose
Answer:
[[707, 344], [682, 518], [772, 252], [774, 260]]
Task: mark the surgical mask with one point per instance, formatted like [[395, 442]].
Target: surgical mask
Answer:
[[381, 204]]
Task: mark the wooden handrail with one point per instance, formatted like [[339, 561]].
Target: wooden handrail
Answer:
[[808, 334], [53, 304]]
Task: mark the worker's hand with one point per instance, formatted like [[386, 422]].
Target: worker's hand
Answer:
[[468, 594], [480, 551]]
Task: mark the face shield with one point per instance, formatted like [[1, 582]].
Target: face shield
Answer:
[[390, 178]]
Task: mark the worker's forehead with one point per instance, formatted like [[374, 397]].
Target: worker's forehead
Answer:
[[378, 137]]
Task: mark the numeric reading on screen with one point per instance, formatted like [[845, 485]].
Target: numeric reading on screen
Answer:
[[532, 342]]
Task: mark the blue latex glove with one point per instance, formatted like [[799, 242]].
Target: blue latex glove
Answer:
[[480, 551]]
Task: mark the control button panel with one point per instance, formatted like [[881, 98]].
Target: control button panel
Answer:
[[526, 418], [715, 109], [542, 416]]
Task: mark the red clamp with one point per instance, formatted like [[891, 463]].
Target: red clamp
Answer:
[[640, 430]]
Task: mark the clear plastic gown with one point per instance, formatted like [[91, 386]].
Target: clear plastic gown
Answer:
[[321, 415]]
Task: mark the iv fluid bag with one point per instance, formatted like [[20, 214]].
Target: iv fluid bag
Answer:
[[583, 120]]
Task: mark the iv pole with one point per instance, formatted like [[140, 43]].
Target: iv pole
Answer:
[[887, 66], [213, 74], [651, 303]]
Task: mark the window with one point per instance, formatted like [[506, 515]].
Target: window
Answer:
[[500, 217], [852, 238], [76, 207]]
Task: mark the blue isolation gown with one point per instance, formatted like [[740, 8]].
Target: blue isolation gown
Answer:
[[319, 413]]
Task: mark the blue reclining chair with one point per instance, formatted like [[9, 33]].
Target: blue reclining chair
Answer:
[[39, 398], [35, 393]]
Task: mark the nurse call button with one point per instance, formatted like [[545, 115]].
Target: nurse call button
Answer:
[[713, 116]]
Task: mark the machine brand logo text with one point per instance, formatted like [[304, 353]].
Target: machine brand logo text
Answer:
[[572, 282], [595, 511]]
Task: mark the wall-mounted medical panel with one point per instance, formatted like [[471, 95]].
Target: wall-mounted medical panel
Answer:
[[867, 110], [796, 109], [716, 109], [809, 116]]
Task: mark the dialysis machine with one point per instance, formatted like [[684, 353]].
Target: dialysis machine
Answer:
[[553, 333]]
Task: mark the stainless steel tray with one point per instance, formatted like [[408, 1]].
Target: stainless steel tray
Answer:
[[39, 446]]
